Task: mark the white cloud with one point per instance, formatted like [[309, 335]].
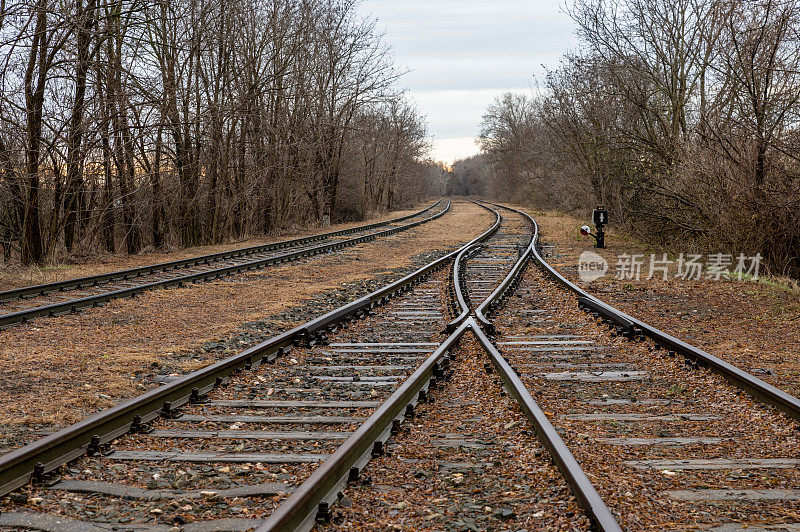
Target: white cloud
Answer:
[[462, 53], [450, 150], [456, 113]]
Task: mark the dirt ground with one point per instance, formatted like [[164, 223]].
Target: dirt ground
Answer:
[[753, 324], [14, 276], [57, 370]]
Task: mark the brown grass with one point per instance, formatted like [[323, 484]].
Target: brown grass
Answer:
[[14, 276], [752, 324], [58, 369]]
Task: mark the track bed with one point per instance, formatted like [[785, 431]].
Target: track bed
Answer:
[[475, 398], [669, 445]]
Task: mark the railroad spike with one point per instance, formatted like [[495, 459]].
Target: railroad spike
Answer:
[[40, 477], [377, 449], [137, 427], [96, 448], [323, 513], [197, 398]]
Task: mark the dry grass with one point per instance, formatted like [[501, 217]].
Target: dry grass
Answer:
[[58, 370], [14, 276], [754, 325]]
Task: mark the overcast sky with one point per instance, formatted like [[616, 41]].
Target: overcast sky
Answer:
[[462, 53]]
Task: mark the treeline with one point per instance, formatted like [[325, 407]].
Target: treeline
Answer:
[[681, 116], [134, 123]]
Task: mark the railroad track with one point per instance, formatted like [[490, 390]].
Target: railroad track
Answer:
[[269, 438], [672, 437], [191, 442], [63, 297]]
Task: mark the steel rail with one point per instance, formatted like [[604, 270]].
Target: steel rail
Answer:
[[585, 493], [633, 327], [458, 280], [757, 388], [37, 459], [511, 280], [124, 275], [321, 489], [459, 285], [73, 305]]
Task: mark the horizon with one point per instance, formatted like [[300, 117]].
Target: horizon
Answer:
[[481, 51]]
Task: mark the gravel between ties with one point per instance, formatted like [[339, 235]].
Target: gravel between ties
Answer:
[[639, 498], [469, 460], [14, 435]]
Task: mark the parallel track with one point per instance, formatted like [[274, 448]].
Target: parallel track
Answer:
[[312, 387], [22, 304], [299, 396]]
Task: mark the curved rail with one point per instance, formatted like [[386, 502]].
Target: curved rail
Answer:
[[23, 316], [586, 494], [94, 280], [584, 491], [628, 326], [632, 327], [458, 280], [511, 281], [35, 460]]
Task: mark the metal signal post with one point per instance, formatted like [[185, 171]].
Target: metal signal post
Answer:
[[600, 219]]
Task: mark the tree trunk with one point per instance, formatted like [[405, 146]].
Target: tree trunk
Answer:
[[31, 241], [86, 20], [155, 185]]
